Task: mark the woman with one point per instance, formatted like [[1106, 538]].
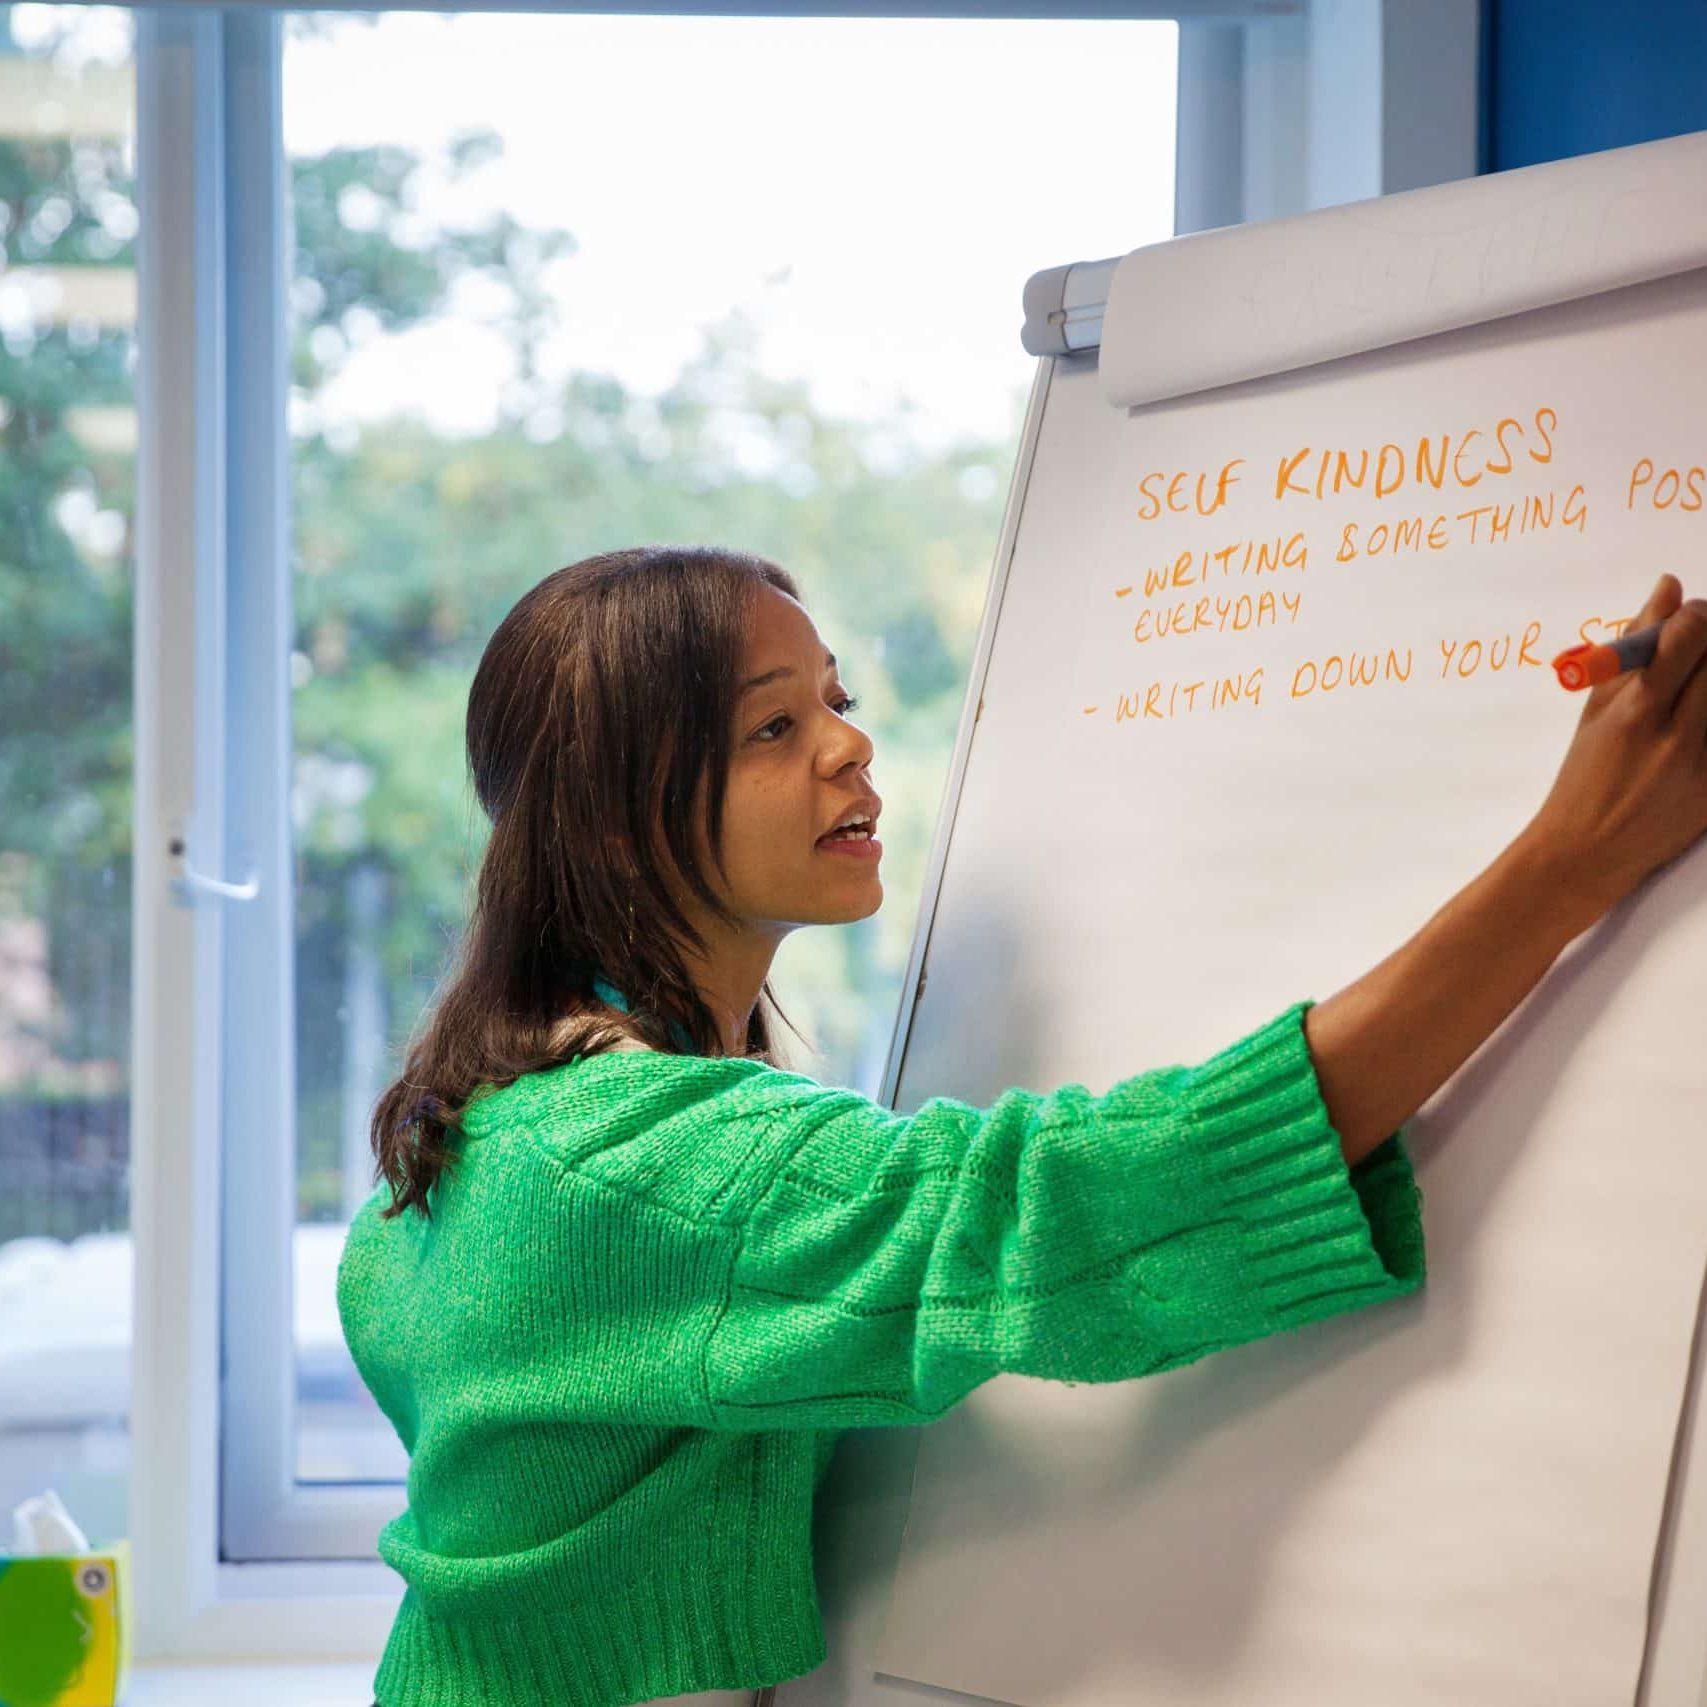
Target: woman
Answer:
[[634, 1275]]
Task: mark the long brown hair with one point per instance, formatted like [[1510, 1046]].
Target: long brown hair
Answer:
[[601, 710]]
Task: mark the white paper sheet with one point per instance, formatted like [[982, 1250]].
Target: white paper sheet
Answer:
[[1453, 1498]]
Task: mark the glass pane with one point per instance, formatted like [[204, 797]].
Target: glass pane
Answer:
[[568, 283], [67, 479]]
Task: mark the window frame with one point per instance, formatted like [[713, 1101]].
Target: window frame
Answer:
[[214, 1127], [220, 1528]]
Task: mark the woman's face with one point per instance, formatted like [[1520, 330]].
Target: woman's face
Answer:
[[798, 767]]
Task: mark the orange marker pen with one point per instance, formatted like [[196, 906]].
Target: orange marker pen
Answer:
[[1583, 666]]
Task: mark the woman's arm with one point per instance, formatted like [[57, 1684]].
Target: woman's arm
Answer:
[[1384, 1045]]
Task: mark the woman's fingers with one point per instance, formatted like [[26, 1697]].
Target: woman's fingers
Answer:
[[1664, 601]]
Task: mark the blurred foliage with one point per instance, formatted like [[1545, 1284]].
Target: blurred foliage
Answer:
[[408, 547], [411, 547], [66, 204]]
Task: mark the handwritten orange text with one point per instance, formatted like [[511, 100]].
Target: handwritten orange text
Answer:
[[1461, 458], [1485, 524], [1224, 614], [1162, 700], [1165, 491], [1465, 659], [1593, 630], [1353, 670], [1679, 486], [1242, 557]]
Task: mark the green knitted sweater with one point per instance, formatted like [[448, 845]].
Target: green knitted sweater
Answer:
[[654, 1287]]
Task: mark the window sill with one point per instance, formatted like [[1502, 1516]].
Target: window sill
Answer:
[[343, 1684]]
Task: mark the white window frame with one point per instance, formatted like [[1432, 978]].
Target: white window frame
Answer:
[[218, 1512], [1327, 102], [220, 1529]]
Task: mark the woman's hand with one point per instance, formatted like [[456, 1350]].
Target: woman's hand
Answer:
[[1631, 794]]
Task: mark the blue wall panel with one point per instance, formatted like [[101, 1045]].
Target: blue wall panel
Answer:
[[1565, 77]]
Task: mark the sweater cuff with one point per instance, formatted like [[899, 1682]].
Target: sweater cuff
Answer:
[[1321, 1237]]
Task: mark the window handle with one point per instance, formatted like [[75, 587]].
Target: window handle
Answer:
[[187, 876]]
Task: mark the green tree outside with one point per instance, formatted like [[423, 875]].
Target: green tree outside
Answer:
[[408, 547]]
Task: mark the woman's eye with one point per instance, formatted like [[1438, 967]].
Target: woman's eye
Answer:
[[847, 703]]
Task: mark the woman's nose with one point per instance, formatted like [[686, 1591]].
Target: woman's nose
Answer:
[[855, 748]]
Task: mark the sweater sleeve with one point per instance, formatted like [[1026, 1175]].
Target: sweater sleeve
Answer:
[[893, 1263]]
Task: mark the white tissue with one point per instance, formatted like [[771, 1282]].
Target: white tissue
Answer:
[[43, 1525]]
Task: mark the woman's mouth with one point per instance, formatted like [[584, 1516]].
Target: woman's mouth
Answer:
[[851, 844]]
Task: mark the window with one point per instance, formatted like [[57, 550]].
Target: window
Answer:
[[67, 478], [428, 305], [577, 282], [308, 368]]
